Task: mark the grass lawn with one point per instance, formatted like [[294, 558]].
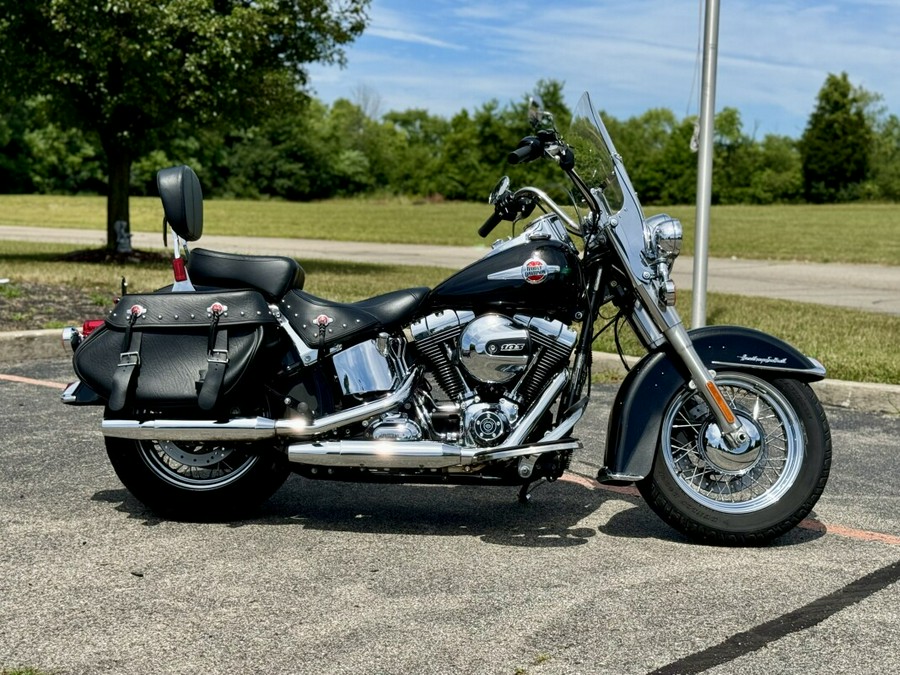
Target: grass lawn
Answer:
[[853, 345], [852, 233]]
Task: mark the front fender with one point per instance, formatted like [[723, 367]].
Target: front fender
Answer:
[[637, 412]]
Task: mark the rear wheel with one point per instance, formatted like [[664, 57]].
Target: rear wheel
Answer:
[[746, 495], [188, 480]]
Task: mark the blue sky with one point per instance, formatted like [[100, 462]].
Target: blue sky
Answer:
[[632, 55]]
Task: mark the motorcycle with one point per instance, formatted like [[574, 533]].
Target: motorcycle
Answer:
[[217, 387]]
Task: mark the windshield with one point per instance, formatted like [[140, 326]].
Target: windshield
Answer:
[[594, 152]]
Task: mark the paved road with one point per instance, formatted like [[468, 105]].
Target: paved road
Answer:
[[874, 288], [341, 578]]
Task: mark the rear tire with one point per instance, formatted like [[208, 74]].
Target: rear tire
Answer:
[[187, 480], [752, 495]]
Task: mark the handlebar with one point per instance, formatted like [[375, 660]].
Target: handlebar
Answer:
[[522, 202], [493, 221], [530, 148]]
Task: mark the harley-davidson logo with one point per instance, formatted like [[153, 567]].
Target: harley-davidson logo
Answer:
[[535, 270]]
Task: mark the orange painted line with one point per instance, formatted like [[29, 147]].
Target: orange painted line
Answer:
[[592, 484], [39, 383], [807, 524], [849, 532]]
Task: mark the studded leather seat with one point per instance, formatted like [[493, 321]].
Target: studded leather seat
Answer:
[[322, 322]]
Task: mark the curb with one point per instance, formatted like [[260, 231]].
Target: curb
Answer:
[[17, 347], [30, 345]]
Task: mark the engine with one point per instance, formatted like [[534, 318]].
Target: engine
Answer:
[[490, 368]]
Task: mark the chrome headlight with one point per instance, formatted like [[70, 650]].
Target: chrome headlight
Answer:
[[665, 235], [662, 244]]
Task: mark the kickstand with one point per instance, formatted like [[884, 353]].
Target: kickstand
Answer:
[[526, 490]]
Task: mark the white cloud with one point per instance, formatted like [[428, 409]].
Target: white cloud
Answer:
[[637, 54], [415, 38]]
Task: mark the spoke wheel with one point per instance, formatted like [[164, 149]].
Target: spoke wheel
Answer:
[[735, 480], [748, 494], [196, 466], [189, 480]]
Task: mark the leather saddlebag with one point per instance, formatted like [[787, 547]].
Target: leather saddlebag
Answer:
[[174, 349]]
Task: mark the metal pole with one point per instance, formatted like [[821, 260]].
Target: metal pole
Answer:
[[705, 162]]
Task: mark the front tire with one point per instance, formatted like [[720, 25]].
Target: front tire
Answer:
[[749, 495], [187, 480]]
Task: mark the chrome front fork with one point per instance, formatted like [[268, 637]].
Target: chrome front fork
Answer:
[[646, 319], [702, 378]]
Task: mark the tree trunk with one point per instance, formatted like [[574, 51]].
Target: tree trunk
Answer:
[[118, 221]]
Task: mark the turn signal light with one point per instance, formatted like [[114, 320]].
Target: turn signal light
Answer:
[[720, 402]]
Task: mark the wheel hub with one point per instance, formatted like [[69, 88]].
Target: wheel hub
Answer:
[[727, 460], [195, 455]]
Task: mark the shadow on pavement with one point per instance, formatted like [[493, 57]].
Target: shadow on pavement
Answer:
[[561, 514]]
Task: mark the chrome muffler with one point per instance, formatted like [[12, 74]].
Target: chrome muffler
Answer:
[[253, 429], [413, 454], [239, 429]]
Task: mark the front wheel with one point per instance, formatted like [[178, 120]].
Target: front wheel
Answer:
[[748, 495], [188, 480]]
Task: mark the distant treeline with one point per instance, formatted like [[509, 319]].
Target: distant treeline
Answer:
[[849, 151]]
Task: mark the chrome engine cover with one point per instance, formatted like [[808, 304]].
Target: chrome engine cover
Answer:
[[488, 424], [493, 349], [363, 369], [394, 427]]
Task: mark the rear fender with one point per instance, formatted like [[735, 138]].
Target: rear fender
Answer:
[[78, 393], [636, 416]]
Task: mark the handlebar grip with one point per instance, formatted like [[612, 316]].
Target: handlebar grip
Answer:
[[520, 154], [530, 148], [493, 221]]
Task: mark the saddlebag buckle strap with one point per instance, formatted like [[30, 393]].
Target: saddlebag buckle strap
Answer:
[[129, 359], [126, 369], [218, 355], [217, 362]]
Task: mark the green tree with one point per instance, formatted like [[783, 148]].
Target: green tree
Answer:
[[418, 152], [836, 143], [642, 141], [15, 176], [778, 176], [134, 73], [885, 159]]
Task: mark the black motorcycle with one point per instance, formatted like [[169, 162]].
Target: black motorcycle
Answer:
[[216, 387]]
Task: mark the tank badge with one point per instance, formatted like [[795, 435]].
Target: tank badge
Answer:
[[535, 270]]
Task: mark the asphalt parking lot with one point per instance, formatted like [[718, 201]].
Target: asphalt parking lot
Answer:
[[343, 578]]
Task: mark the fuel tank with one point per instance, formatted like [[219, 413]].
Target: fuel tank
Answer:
[[534, 277]]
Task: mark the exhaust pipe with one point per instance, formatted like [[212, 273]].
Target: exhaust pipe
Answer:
[[379, 454], [375, 454], [412, 454], [252, 429], [240, 429], [527, 423]]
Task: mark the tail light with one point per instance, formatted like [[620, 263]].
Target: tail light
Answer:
[[73, 336], [90, 326]]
